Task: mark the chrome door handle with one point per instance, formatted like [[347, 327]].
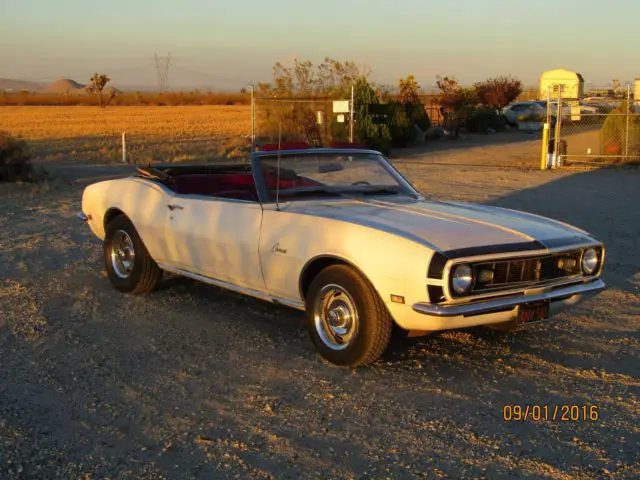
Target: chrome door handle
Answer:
[[175, 207]]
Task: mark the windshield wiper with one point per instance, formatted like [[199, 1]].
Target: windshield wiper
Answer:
[[380, 191]]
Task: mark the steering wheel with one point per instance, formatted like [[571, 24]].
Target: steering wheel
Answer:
[[361, 182]]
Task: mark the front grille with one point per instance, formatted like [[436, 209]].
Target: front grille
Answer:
[[515, 272]]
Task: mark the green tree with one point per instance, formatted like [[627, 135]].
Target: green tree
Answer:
[[366, 127]]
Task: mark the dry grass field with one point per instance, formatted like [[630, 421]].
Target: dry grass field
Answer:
[[165, 134]]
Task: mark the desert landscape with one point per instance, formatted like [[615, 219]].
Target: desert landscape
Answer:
[[193, 381]]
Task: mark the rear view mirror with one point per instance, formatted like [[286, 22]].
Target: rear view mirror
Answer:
[[330, 167]]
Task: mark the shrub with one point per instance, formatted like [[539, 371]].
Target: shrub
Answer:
[[475, 107], [15, 163], [482, 119], [613, 136], [382, 145], [400, 125], [419, 116], [498, 92], [406, 113]]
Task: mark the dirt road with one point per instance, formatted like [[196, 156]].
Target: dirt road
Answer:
[[196, 382]]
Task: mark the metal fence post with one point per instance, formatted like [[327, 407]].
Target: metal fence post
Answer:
[[626, 138], [352, 115], [544, 156], [556, 143], [124, 147]]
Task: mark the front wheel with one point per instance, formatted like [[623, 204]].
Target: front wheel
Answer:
[[129, 266], [346, 318]]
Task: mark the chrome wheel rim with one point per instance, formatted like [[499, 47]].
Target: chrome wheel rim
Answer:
[[335, 317], [122, 254]]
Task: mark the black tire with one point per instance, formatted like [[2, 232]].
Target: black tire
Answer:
[[374, 324], [144, 273]]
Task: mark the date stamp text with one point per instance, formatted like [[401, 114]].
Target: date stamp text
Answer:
[[555, 413]]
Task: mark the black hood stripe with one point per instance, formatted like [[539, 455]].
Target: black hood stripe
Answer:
[[567, 241], [491, 249], [517, 247]]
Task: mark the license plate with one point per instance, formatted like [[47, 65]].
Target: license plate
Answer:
[[533, 312]]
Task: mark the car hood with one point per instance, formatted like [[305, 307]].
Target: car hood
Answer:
[[451, 227]]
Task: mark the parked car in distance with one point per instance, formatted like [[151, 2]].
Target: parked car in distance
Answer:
[[523, 112], [342, 235], [567, 112], [602, 104]]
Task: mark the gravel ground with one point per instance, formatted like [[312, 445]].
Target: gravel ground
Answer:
[[196, 382]]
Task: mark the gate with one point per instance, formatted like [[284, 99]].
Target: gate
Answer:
[[592, 132]]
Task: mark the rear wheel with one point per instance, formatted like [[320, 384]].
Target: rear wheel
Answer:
[[346, 318], [129, 266]]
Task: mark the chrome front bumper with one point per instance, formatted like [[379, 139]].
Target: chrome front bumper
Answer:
[[501, 304]]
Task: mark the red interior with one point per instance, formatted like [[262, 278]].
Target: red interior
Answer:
[[227, 185], [271, 180], [270, 147], [231, 185]]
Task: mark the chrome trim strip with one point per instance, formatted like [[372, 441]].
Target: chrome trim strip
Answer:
[[235, 288], [477, 308], [289, 303]]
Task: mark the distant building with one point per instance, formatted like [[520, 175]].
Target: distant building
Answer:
[[560, 81], [636, 90]]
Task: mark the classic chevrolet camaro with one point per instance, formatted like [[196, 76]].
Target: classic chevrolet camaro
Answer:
[[341, 234]]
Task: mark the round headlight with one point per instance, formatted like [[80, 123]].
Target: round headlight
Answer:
[[590, 261], [461, 279]]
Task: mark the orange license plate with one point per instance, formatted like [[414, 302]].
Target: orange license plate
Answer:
[[533, 312]]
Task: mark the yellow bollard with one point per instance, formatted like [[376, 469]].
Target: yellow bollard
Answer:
[[545, 146]]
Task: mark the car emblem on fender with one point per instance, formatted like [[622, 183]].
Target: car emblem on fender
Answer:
[[276, 249]]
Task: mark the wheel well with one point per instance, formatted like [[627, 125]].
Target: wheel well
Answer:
[[110, 215], [314, 267]]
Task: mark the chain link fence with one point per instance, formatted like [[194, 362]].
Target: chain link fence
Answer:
[[594, 131], [319, 122]]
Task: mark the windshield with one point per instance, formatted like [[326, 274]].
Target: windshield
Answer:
[[303, 176]]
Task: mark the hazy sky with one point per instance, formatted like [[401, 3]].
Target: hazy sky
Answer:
[[227, 43]]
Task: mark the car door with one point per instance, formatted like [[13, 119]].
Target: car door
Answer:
[[216, 237]]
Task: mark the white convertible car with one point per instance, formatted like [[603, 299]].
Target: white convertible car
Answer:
[[340, 234]]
